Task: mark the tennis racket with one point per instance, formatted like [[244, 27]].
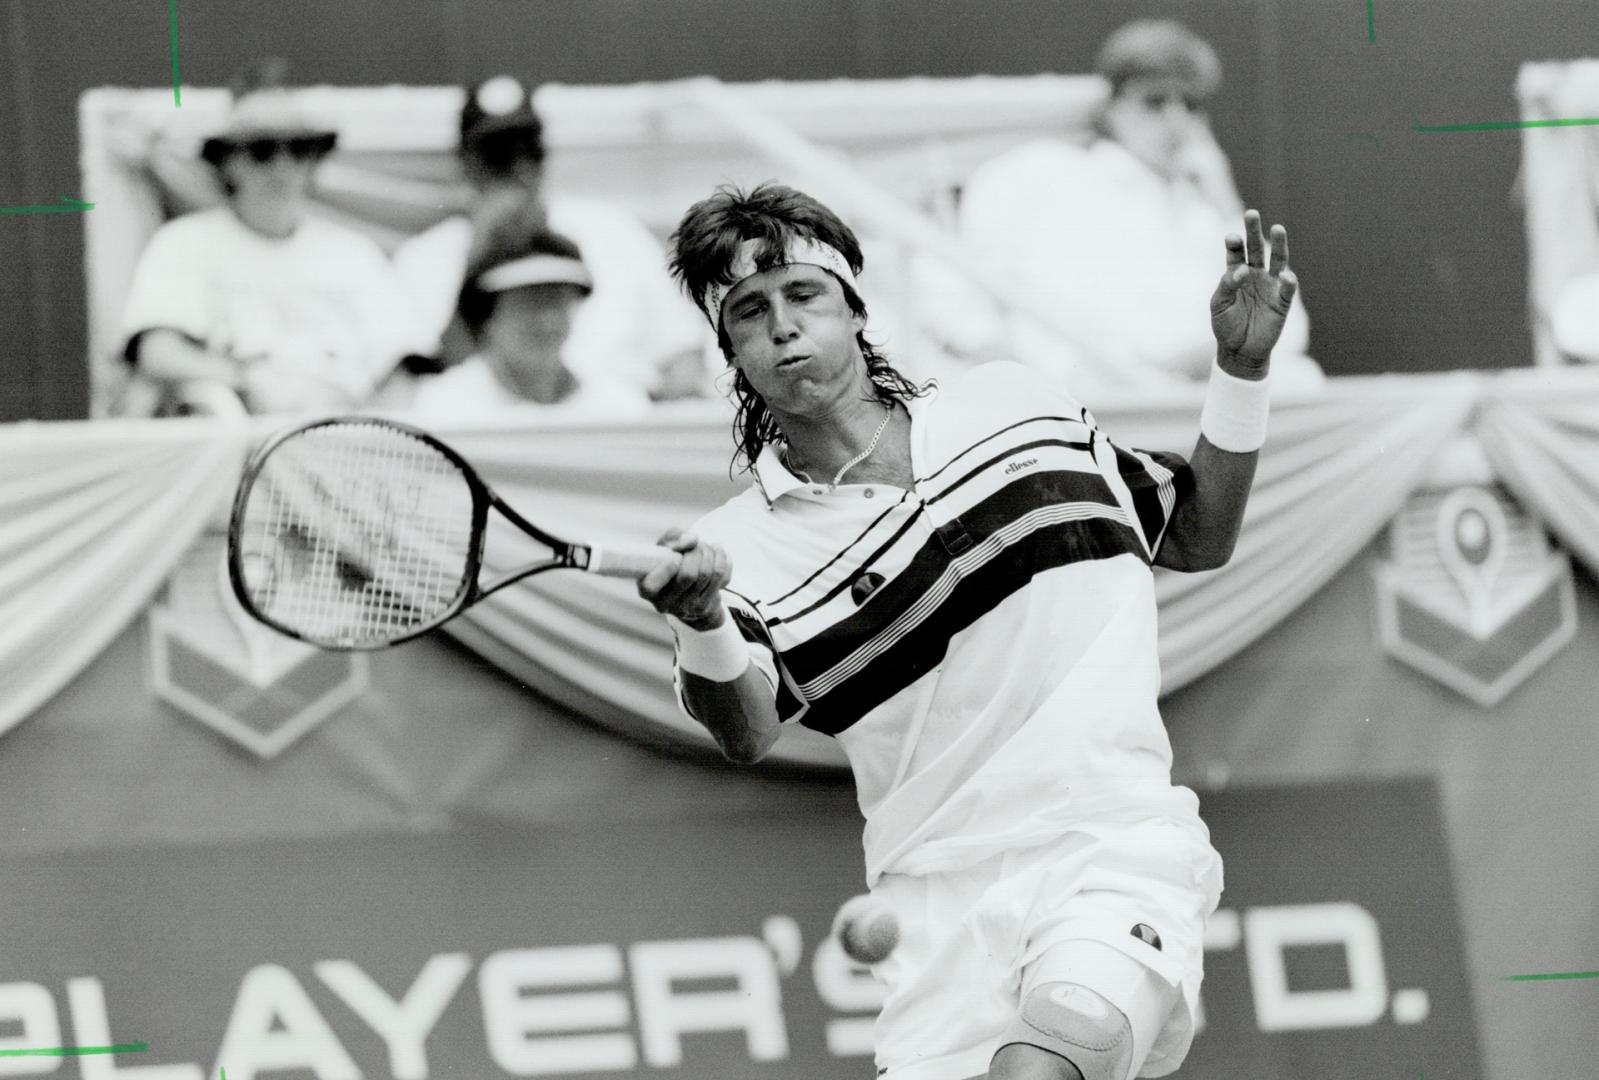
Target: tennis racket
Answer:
[[356, 533]]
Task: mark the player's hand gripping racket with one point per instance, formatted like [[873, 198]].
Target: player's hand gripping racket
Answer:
[[356, 533]]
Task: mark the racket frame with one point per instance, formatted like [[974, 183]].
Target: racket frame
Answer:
[[566, 555]]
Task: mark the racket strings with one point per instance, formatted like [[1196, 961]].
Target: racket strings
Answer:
[[357, 533]]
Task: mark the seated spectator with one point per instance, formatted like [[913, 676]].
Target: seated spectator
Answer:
[[254, 301], [635, 326], [1122, 238], [520, 305]]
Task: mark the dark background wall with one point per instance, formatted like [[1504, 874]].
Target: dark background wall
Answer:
[[1410, 247]]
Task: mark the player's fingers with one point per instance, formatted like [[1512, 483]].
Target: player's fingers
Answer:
[[702, 598], [1227, 287], [1235, 250], [698, 587], [656, 586], [718, 572], [678, 539], [1279, 249], [1254, 240], [653, 584], [1287, 287]]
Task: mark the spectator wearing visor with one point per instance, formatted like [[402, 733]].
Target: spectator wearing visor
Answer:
[[522, 299], [634, 326]]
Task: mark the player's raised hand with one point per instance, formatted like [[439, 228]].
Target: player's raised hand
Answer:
[[689, 587], [1251, 302]]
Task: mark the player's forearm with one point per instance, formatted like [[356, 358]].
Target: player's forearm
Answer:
[[1204, 529], [168, 356], [741, 715]]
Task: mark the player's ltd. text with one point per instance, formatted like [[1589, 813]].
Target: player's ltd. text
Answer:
[[607, 1008]]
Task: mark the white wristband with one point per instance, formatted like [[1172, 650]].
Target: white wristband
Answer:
[[1234, 416], [719, 655]]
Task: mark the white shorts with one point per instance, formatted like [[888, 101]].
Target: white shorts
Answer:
[[974, 941]]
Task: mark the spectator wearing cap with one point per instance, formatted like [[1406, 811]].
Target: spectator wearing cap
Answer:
[[1123, 236], [523, 295], [256, 303], [635, 325]]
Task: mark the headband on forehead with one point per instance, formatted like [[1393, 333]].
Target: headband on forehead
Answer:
[[800, 249]]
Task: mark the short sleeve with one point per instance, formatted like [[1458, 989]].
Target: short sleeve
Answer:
[[168, 290], [1156, 483]]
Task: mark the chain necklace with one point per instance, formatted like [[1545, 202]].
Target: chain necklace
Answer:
[[888, 411]]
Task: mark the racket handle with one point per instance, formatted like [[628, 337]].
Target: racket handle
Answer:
[[627, 560]]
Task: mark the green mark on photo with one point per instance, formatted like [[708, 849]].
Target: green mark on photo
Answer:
[[75, 1051], [1553, 975], [74, 206], [172, 18], [1371, 22], [1505, 125]]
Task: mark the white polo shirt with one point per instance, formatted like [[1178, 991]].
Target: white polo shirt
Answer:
[[983, 646]]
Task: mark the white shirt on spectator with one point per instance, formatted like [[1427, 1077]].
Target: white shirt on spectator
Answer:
[[471, 391], [1575, 321], [324, 303], [1125, 257], [633, 320]]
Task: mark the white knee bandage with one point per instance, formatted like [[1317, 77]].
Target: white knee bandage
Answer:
[[1078, 1024]]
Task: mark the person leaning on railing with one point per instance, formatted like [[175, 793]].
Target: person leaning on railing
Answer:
[[254, 305]]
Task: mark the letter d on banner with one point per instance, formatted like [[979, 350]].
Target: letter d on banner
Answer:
[[1269, 930]]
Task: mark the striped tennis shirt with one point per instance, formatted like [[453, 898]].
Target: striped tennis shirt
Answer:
[[983, 646]]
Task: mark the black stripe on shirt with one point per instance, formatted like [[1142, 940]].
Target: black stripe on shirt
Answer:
[[845, 549], [1012, 452], [990, 438], [980, 592], [1075, 541], [1053, 485]]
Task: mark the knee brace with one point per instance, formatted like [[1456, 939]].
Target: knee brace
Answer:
[[1078, 1024]]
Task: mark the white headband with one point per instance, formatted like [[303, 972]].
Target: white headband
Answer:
[[536, 270], [800, 249]]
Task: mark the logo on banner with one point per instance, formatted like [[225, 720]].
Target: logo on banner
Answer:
[[1473, 595], [248, 683]]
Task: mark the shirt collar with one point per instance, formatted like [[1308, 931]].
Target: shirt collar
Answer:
[[774, 478]]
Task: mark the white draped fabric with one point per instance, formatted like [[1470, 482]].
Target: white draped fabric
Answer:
[[93, 516]]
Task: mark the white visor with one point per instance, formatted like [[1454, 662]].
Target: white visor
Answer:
[[536, 270]]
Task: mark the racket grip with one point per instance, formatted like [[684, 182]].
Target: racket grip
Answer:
[[627, 560]]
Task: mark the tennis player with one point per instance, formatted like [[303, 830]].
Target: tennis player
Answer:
[[955, 582]]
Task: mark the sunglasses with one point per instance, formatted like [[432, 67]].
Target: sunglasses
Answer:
[[262, 151], [1157, 100]]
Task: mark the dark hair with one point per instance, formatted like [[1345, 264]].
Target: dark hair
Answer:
[[517, 237], [704, 247]]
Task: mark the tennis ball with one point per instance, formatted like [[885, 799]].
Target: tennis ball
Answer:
[[866, 929]]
